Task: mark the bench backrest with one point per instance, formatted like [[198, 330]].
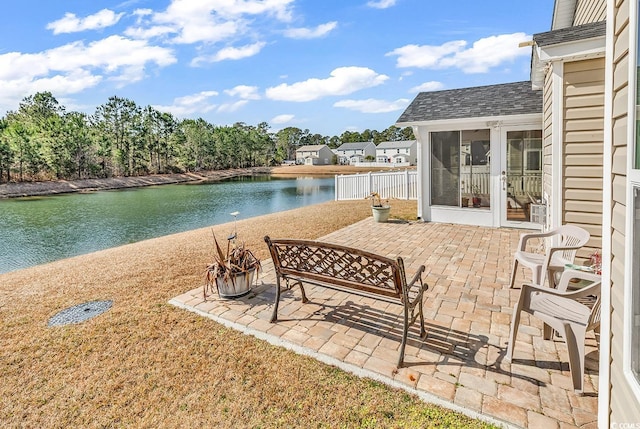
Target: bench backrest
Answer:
[[345, 266]]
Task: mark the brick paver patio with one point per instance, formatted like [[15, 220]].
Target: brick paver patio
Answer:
[[468, 311]]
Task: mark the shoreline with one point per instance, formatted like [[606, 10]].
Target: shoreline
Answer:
[[57, 187]]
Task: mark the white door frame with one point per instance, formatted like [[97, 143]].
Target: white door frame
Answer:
[[502, 200]]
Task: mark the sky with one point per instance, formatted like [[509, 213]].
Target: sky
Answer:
[[328, 66]]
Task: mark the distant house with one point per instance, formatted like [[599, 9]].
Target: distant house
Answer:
[[319, 154], [352, 153], [399, 152]]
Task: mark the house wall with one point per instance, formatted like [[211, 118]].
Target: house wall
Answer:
[[582, 148], [623, 404], [326, 156], [588, 11]]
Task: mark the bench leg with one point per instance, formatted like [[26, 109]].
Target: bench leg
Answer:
[[304, 295], [405, 332], [423, 331], [274, 316]]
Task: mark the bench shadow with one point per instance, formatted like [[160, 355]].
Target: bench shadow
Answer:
[[453, 347]]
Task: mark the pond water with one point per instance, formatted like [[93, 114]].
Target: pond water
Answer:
[[43, 229]]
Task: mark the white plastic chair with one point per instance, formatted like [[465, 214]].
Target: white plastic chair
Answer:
[[567, 312], [570, 237]]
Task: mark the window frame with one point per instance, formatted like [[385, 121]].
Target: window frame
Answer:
[[632, 280], [461, 132]]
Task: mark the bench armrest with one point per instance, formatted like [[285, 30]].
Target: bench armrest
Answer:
[[417, 278]]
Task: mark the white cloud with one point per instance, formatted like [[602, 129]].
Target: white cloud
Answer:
[[72, 24], [282, 119], [342, 81], [483, 55], [230, 53], [425, 56], [381, 4], [210, 21], [427, 86], [75, 67], [245, 92], [311, 33], [232, 107], [189, 105], [371, 105]]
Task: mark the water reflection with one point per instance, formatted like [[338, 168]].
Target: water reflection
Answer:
[[43, 229]]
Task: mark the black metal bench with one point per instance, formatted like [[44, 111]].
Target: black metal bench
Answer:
[[350, 270]]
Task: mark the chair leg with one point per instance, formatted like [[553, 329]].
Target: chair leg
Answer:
[[575, 346], [547, 332], [514, 271], [515, 321]]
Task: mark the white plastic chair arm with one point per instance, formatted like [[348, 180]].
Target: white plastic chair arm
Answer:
[[592, 289], [522, 245]]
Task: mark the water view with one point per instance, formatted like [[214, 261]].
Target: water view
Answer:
[[43, 229]]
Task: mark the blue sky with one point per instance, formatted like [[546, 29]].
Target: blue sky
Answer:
[[324, 65]]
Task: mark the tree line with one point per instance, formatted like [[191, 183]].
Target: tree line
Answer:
[[43, 141]]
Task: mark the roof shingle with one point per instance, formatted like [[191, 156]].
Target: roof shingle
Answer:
[[517, 98], [571, 34]]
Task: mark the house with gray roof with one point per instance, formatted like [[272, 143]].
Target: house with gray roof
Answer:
[[397, 152], [480, 153], [353, 153], [588, 129], [318, 154]]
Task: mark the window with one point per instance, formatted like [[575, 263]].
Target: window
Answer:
[[635, 286], [633, 213], [460, 168]]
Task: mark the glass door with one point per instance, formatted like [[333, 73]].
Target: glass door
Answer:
[[521, 177]]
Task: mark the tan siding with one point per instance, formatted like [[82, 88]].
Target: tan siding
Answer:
[[582, 137], [582, 183], [583, 194], [583, 148], [588, 11], [618, 219]]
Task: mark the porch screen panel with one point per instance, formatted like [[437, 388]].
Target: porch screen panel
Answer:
[[445, 168], [475, 167]]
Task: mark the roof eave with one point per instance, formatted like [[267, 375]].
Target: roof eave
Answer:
[[472, 122], [568, 51]]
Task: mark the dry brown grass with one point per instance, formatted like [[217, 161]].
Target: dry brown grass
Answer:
[[145, 363]]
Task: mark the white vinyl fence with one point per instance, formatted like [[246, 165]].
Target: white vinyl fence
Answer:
[[388, 184]]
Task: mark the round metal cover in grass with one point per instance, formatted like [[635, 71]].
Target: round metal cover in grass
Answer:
[[79, 313]]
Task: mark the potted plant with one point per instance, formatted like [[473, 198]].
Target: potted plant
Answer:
[[464, 199], [232, 272], [380, 208], [476, 199]]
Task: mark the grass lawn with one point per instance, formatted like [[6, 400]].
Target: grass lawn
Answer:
[[145, 363]]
